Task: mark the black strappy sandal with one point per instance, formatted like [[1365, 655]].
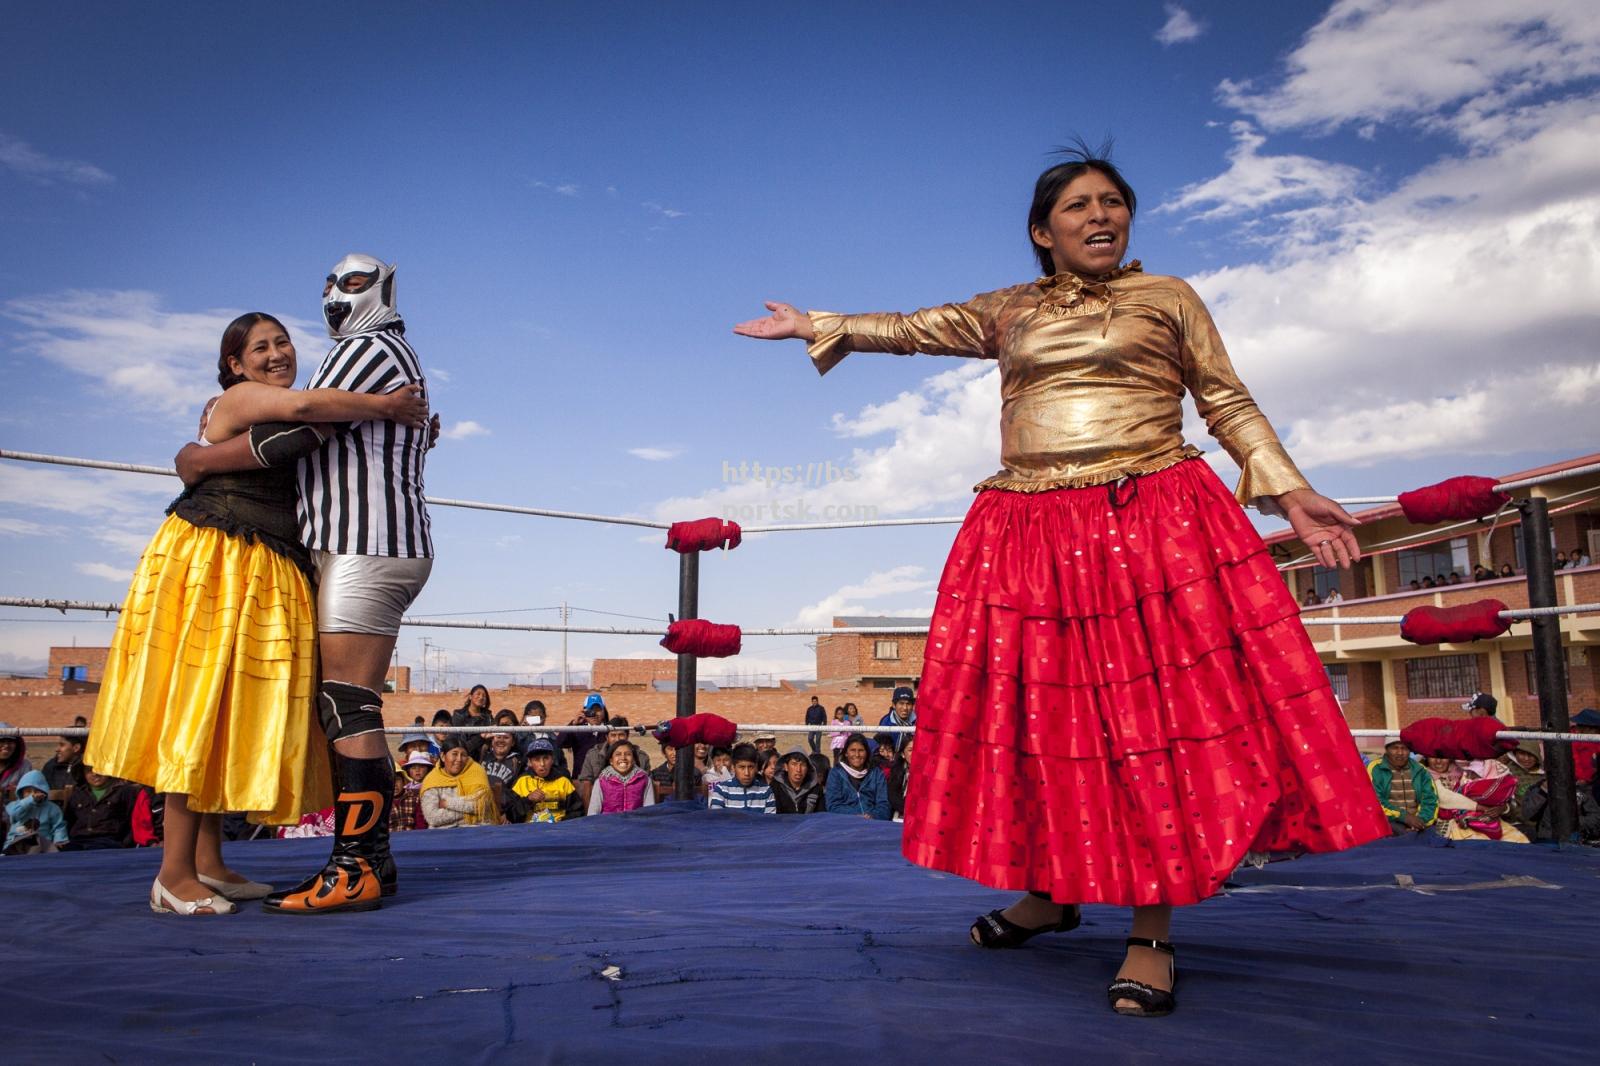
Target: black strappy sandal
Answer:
[[995, 930], [1153, 1002]]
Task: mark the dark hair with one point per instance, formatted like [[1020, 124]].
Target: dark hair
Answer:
[[611, 749], [617, 721], [856, 738], [467, 706], [505, 717], [533, 705], [1078, 159], [746, 753], [451, 743], [717, 750], [442, 717], [233, 339]]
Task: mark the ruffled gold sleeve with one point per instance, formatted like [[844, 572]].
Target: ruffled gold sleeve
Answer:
[[1229, 411], [965, 329]]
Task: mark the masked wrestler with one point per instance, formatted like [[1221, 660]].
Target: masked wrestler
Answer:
[[365, 522]]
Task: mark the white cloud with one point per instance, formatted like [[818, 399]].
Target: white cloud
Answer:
[[944, 436], [1254, 181], [21, 158], [1376, 60], [655, 455], [877, 585], [1179, 27], [150, 359], [20, 527], [120, 575], [561, 188], [102, 496], [464, 429], [663, 210], [436, 374]]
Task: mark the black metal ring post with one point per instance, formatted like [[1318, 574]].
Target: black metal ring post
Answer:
[[688, 607], [1549, 667]]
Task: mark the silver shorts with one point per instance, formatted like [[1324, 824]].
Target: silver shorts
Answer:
[[366, 593]]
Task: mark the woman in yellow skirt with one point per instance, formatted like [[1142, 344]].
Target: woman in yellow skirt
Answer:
[[208, 688]]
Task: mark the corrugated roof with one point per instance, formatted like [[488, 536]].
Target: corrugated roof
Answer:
[[862, 621]]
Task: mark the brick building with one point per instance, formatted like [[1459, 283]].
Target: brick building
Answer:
[[1386, 683], [631, 674], [873, 660]]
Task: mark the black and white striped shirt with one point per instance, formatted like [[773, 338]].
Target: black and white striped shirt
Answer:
[[361, 492]]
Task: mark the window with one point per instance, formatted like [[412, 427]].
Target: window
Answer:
[[1519, 548], [1325, 579], [74, 673], [1533, 673], [1339, 678], [1431, 560], [1442, 677], [886, 649]]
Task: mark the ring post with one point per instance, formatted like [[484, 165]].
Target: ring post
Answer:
[[1548, 666], [688, 607]]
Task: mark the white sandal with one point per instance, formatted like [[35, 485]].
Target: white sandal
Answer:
[[236, 890], [164, 902]]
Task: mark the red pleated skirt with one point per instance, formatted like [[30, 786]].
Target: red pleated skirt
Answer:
[[1119, 702]]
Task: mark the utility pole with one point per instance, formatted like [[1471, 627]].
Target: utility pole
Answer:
[[563, 646]]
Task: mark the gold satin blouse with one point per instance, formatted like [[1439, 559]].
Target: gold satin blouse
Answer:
[[1092, 377]]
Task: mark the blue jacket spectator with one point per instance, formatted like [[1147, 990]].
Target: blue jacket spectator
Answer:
[[36, 823], [854, 787], [902, 712]]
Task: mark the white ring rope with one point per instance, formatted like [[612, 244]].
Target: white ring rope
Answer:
[[579, 516], [785, 727], [1516, 615]]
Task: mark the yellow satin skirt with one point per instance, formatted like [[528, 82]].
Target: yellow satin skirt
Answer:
[[210, 685]]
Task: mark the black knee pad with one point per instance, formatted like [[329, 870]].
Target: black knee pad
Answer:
[[349, 710]]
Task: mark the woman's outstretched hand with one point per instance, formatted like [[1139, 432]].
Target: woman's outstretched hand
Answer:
[[784, 322], [1323, 526]]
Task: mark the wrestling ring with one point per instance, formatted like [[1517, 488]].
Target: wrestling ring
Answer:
[[678, 934]]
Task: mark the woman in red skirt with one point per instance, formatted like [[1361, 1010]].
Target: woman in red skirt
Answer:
[[1119, 701]]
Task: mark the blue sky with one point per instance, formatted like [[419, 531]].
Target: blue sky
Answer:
[[1392, 209]]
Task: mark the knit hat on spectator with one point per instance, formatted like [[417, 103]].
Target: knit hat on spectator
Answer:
[[418, 758], [1481, 700]]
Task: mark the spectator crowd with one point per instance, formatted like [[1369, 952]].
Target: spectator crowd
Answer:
[[445, 780]]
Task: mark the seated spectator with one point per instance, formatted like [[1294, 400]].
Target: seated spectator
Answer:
[[1454, 578], [798, 787], [883, 754], [598, 758], [1439, 580], [766, 742], [502, 761], [99, 811], [823, 766], [414, 742], [533, 713], [899, 781], [442, 717], [721, 768], [665, 777], [13, 763], [36, 824], [60, 767], [1427, 582], [594, 713], [1333, 596], [902, 712], [1540, 812], [623, 785], [1506, 571], [457, 791], [1405, 790], [1527, 767], [1481, 705], [1309, 599], [856, 788], [1578, 558], [149, 818], [406, 812], [314, 824], [769, 766], [1561, 560], [1472, 804], [746, 792], [550, 795], [475, 712], [1481, 572], [1416, 586]]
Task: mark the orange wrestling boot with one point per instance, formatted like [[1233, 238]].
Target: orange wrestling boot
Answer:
[[360, 872]]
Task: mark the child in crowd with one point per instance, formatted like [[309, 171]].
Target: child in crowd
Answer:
[[622, 786], [900, 780], [797, 788], [416, 742], [37, 825], [665, 776], [721, 768], [406, 813], [746, 791], [769, 766], [502, 761], [549, 794]]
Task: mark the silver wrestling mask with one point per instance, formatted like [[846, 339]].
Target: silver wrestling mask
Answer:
[[367, 307]]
